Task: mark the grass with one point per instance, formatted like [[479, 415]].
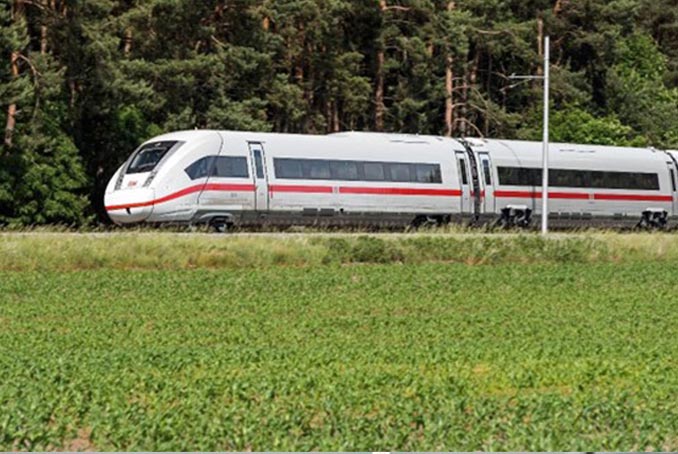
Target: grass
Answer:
[[565, 344], [172, 251]]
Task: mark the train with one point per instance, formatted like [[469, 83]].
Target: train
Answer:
[[234, 178]]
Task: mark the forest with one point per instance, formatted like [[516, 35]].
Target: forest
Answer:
[[83, 83]]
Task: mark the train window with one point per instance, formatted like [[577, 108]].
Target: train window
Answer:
[[374, 171], [533, 177], [321, 169], [462, 169], [200, 168], [519, 176], [508, 176], [400, 172], [428, 173], [570, 178], [624, 180], [344, 170], [316, 169], [149, 156], [230, 167], [673, 179], [597, 179], [289, 169], [487, 171], [649, 181], [617, 180], [259, 164]]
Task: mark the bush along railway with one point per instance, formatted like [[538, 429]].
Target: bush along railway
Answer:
[[227, 178]]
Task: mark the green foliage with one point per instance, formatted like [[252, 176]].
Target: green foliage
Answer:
[[105, 75], [49, 181], [638, 94], [576, 125], [42, 178], [389, 357]]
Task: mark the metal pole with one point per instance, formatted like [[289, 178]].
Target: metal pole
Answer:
[[545, 151]]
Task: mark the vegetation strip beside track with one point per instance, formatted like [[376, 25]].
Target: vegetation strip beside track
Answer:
[[137, 251]]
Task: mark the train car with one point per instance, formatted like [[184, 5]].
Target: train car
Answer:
[[588, 184], [224, 178]]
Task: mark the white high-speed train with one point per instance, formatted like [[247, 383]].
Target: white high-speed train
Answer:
[[225, 178]]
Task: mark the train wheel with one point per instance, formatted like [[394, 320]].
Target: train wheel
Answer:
[[426, 221], [653, 220], [220, 225]]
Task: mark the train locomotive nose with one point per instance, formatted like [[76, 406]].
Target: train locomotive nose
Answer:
[[130, 206]]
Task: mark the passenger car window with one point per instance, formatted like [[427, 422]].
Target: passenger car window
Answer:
[[288, 168], [400, 172], [326, 169], [374, 171], [344, 170], [428, 173], [572, 178], [316, 169], [230, 167], [200, 168]]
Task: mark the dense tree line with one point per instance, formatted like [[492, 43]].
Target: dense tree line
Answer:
[[82, 83]]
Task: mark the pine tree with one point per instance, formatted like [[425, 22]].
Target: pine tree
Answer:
[[41, 172]]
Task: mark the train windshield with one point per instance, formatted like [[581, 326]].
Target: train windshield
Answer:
[[148, 157]]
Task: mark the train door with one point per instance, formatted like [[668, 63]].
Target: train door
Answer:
[[672, 177], [488, 183], [464, 182], [261, 193]]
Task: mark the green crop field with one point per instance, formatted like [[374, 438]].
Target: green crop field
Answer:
[[526, 344]]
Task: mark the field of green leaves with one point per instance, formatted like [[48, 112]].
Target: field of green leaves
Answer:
[[572, 348]]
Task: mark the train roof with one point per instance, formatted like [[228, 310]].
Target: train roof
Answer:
[[526, 153], [568, 155], [421, 142]]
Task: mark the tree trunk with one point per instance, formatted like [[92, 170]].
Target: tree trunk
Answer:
[[11, 110], [299, 63], [17, 15], [128, 42], [379, 106], [449, 92], [449, 87], [540, 45], [470, 79], [461, 120], [336, 125], [43, 39]]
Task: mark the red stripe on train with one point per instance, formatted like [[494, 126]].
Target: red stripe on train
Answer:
[[580, 196], [634, 197], [399, 191], [535, 194], [301, 189], [184, 192], [363, 190]]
